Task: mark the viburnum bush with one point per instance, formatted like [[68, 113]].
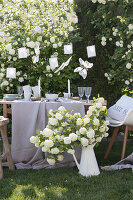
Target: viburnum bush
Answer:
[[113, 25], [32, 24]]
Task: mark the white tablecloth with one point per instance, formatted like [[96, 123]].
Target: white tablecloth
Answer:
[[27, 117]]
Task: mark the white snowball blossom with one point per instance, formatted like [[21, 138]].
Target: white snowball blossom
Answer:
[[73, 137], [47, 132]]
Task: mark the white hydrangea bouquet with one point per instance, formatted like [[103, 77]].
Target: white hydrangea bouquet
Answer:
[[66, 130]]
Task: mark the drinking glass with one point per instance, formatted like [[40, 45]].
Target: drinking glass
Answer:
[[87, 92], [20, 91], [80, 92]]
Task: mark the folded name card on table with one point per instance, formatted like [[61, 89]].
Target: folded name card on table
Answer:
[[120, 110]]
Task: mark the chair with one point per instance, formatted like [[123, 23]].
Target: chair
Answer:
[[123, 111], [7, 152]]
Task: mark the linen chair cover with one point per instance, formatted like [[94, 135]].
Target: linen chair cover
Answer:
[[120, 114]]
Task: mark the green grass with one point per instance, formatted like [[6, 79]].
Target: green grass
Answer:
[[66, 184]]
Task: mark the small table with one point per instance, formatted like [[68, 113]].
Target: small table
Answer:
[[7, 106]]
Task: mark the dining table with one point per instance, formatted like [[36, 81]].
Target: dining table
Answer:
[[29, 116]]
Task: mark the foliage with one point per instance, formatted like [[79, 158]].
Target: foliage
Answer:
[[65, 131], [114, 24], [98, 20], [42, 24]]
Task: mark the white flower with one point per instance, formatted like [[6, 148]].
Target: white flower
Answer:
[[106, 135], [106, 75], [53, 121], [82, 130], [55, 46], [76, 115], [52, 39], [94, 1], [98, 139], [30, 44], [79, 122], [117, 44], [34, 139], [102, 129], [14, 58], [3, 70], [127, 82], [51, 112], [63, 124], [96, 121], [45, 149], [37, 29], [128, 65], [106, 123], [21, 79], [2, 65], [101, 100], [60, 157], [39, 38], [51, 161], [130, 26], [67, 140], [62, 109], [71, 28], [8, 47], [1, 75], [116, 30], [5, 83], [47, 132], [114, 33], [103, 108], [48, 68], [103, 43], [103, 39], [71, 151], [89, 113], [90, 133], [86, 120], [54, 150], [48, 143], [73, 137], [84, 142], [98, 105], [11, 51], [59, 116], [92, 108], [131, 80], [60, 44], [18, 73]]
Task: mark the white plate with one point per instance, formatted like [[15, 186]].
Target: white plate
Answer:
[[11, 99]]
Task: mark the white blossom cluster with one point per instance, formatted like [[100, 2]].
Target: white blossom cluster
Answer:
[[66, 131], [32, 26]]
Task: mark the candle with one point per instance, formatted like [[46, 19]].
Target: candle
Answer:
[[39, 87], [68, 86]]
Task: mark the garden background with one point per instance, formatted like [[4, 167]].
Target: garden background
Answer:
[[105, 24]]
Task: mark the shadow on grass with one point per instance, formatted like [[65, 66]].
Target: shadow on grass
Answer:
[[66, 183]]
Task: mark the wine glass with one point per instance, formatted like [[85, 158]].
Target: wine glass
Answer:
[[81, 92], [20, 90], [87, 92]]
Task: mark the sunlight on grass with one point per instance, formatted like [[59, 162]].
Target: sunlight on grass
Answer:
[[57, 191], [27, 191]]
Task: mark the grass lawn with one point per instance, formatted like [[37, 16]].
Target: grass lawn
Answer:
[[67, 184]]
